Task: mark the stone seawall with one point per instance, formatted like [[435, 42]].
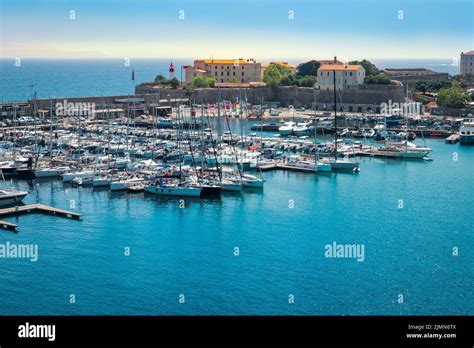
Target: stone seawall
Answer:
[[360, 99], [363, 96]]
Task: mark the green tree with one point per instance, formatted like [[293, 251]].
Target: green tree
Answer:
[[370, 68], [233, 80], [202, 82], [160, 79], [308, 68], [454, 97], [432, 86], [174, 82], [274, 74], [307, 81], [378, 79]]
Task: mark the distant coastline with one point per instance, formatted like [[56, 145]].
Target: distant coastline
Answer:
[[62, 78]]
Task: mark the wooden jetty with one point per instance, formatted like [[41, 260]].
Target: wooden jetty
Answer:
[[8, 225], [33, 208], [453, 138]]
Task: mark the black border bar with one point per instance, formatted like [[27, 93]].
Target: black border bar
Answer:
[[348, 330]]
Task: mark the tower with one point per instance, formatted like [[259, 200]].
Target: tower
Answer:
[[171, 71]]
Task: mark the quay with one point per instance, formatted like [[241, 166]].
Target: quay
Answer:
[[33, 208]]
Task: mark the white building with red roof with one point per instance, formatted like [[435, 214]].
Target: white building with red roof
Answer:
[[346, 76]]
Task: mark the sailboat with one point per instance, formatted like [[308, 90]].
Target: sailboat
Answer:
[[176, 186], [404, 149], [338, 164]]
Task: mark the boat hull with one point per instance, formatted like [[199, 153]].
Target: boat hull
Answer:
[[466, 139], [7, 201], [174, 191]]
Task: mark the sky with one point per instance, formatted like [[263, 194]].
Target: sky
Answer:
[[285, 29]]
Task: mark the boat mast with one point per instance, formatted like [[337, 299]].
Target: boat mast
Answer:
[[50, 127], [335, 112]]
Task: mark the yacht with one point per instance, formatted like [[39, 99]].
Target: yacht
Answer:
[[231, 185], [341, 164], [303, 128], [466, 133], [287, 128], [124, 184], [68, 177], [173, 189], [10, 197], [50, 172], [252, 181]]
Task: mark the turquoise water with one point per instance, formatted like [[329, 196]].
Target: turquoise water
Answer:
[[190, 251]]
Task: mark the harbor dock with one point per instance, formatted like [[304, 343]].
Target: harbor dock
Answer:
[[34, 208], [453, 138], [8, 225]]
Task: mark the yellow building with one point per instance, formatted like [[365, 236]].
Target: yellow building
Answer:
[[225, 70]]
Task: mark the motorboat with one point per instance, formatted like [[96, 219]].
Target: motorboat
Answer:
[[303, 128], [249, 180], [10, 197], [287, 128], [50, 172], [466, 133]]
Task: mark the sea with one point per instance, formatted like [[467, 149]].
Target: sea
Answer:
[[258, 252], [58, 78]]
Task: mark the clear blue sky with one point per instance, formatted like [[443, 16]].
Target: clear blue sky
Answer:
[[351, 29]]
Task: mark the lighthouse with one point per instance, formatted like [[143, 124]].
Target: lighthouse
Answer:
[[171, 71]]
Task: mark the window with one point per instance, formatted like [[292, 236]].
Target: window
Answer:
[[222, 73], [242, 68], [328, 73], [350, 74], [227, 73], [242, 80], [194, 74], [242, 73], [345, 81], [216, 73], [233, 73], [222, 80]]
